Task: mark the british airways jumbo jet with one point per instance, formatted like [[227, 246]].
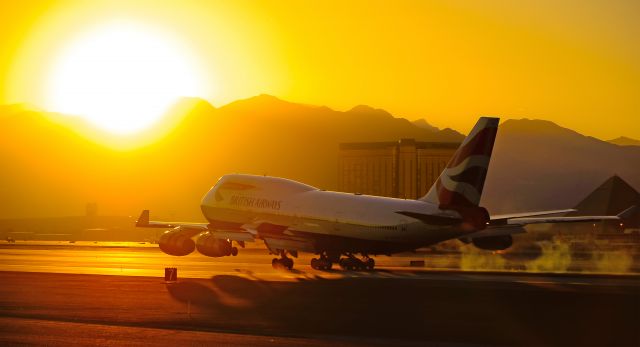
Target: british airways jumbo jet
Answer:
[[347, 229]]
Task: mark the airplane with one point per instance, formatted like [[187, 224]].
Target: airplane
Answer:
[[292, 217]]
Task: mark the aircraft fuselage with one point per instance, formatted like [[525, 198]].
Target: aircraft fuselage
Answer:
[[295, 216]]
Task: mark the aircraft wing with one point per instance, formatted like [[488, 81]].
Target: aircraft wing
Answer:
[[233, 235], [509, 224], [516, 225], [573, 219], [521, 219], [144, 222], [503, 218], [193, 229]]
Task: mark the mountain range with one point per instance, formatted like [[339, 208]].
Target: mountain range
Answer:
[[625, 141], [537, 164], [53, 169]]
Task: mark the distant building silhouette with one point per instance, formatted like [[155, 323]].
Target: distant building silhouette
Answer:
[[610, 198], [400, 169]]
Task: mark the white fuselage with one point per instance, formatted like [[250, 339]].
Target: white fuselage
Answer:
[[306, 212]]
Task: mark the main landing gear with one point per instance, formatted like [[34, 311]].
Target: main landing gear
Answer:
[[353, 263], [321, 264], [282, 262], [349, 263]]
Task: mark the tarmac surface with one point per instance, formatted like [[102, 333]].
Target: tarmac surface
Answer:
[[74, 294]]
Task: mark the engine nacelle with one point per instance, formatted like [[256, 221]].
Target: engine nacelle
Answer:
[[213, 247], [493, 243], [176, 242]]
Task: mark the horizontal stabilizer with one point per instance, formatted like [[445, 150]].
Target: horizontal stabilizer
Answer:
[[431, 219]]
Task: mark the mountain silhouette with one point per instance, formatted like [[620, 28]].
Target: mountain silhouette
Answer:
[[52, 169], [625, 141], [537, 164], [422, 123]]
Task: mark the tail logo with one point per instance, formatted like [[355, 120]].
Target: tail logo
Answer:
[[461, 183]]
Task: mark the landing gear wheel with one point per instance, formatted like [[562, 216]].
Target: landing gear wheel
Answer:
[[351, 263], [321, 264], [287, 262], [347, 264], [370, 264], [234, 251]]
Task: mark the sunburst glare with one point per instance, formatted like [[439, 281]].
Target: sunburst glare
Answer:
[[122, 76]]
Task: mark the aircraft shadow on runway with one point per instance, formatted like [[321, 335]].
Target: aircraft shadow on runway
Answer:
[[458, 311]]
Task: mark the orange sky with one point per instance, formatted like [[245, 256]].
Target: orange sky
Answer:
[[575, 63]]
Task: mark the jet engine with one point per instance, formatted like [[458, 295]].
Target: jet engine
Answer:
[[493, 243], [210, 246], [176, 242]]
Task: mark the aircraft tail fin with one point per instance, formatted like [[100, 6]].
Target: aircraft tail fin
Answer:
[[461, 182]]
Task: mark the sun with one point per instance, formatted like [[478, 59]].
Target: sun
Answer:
[[122, 76]]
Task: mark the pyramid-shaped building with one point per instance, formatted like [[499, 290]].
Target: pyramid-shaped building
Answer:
[[610, 198]]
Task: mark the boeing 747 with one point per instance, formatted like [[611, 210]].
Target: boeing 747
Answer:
[[347, 229]]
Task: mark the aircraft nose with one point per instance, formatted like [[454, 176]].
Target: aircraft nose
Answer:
[[212, 196]]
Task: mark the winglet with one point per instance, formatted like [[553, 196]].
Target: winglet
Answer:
[[431, 219], [143, 220]]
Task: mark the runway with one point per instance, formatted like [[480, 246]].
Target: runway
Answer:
[[69, 293], [144, 259], [136, 259], [22, 331]]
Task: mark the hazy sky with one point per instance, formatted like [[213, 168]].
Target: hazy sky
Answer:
[[573, 62]]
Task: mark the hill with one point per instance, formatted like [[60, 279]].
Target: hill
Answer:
[[55, 171], [625, 141], [539, 165], [422, 123], [51, 169]]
